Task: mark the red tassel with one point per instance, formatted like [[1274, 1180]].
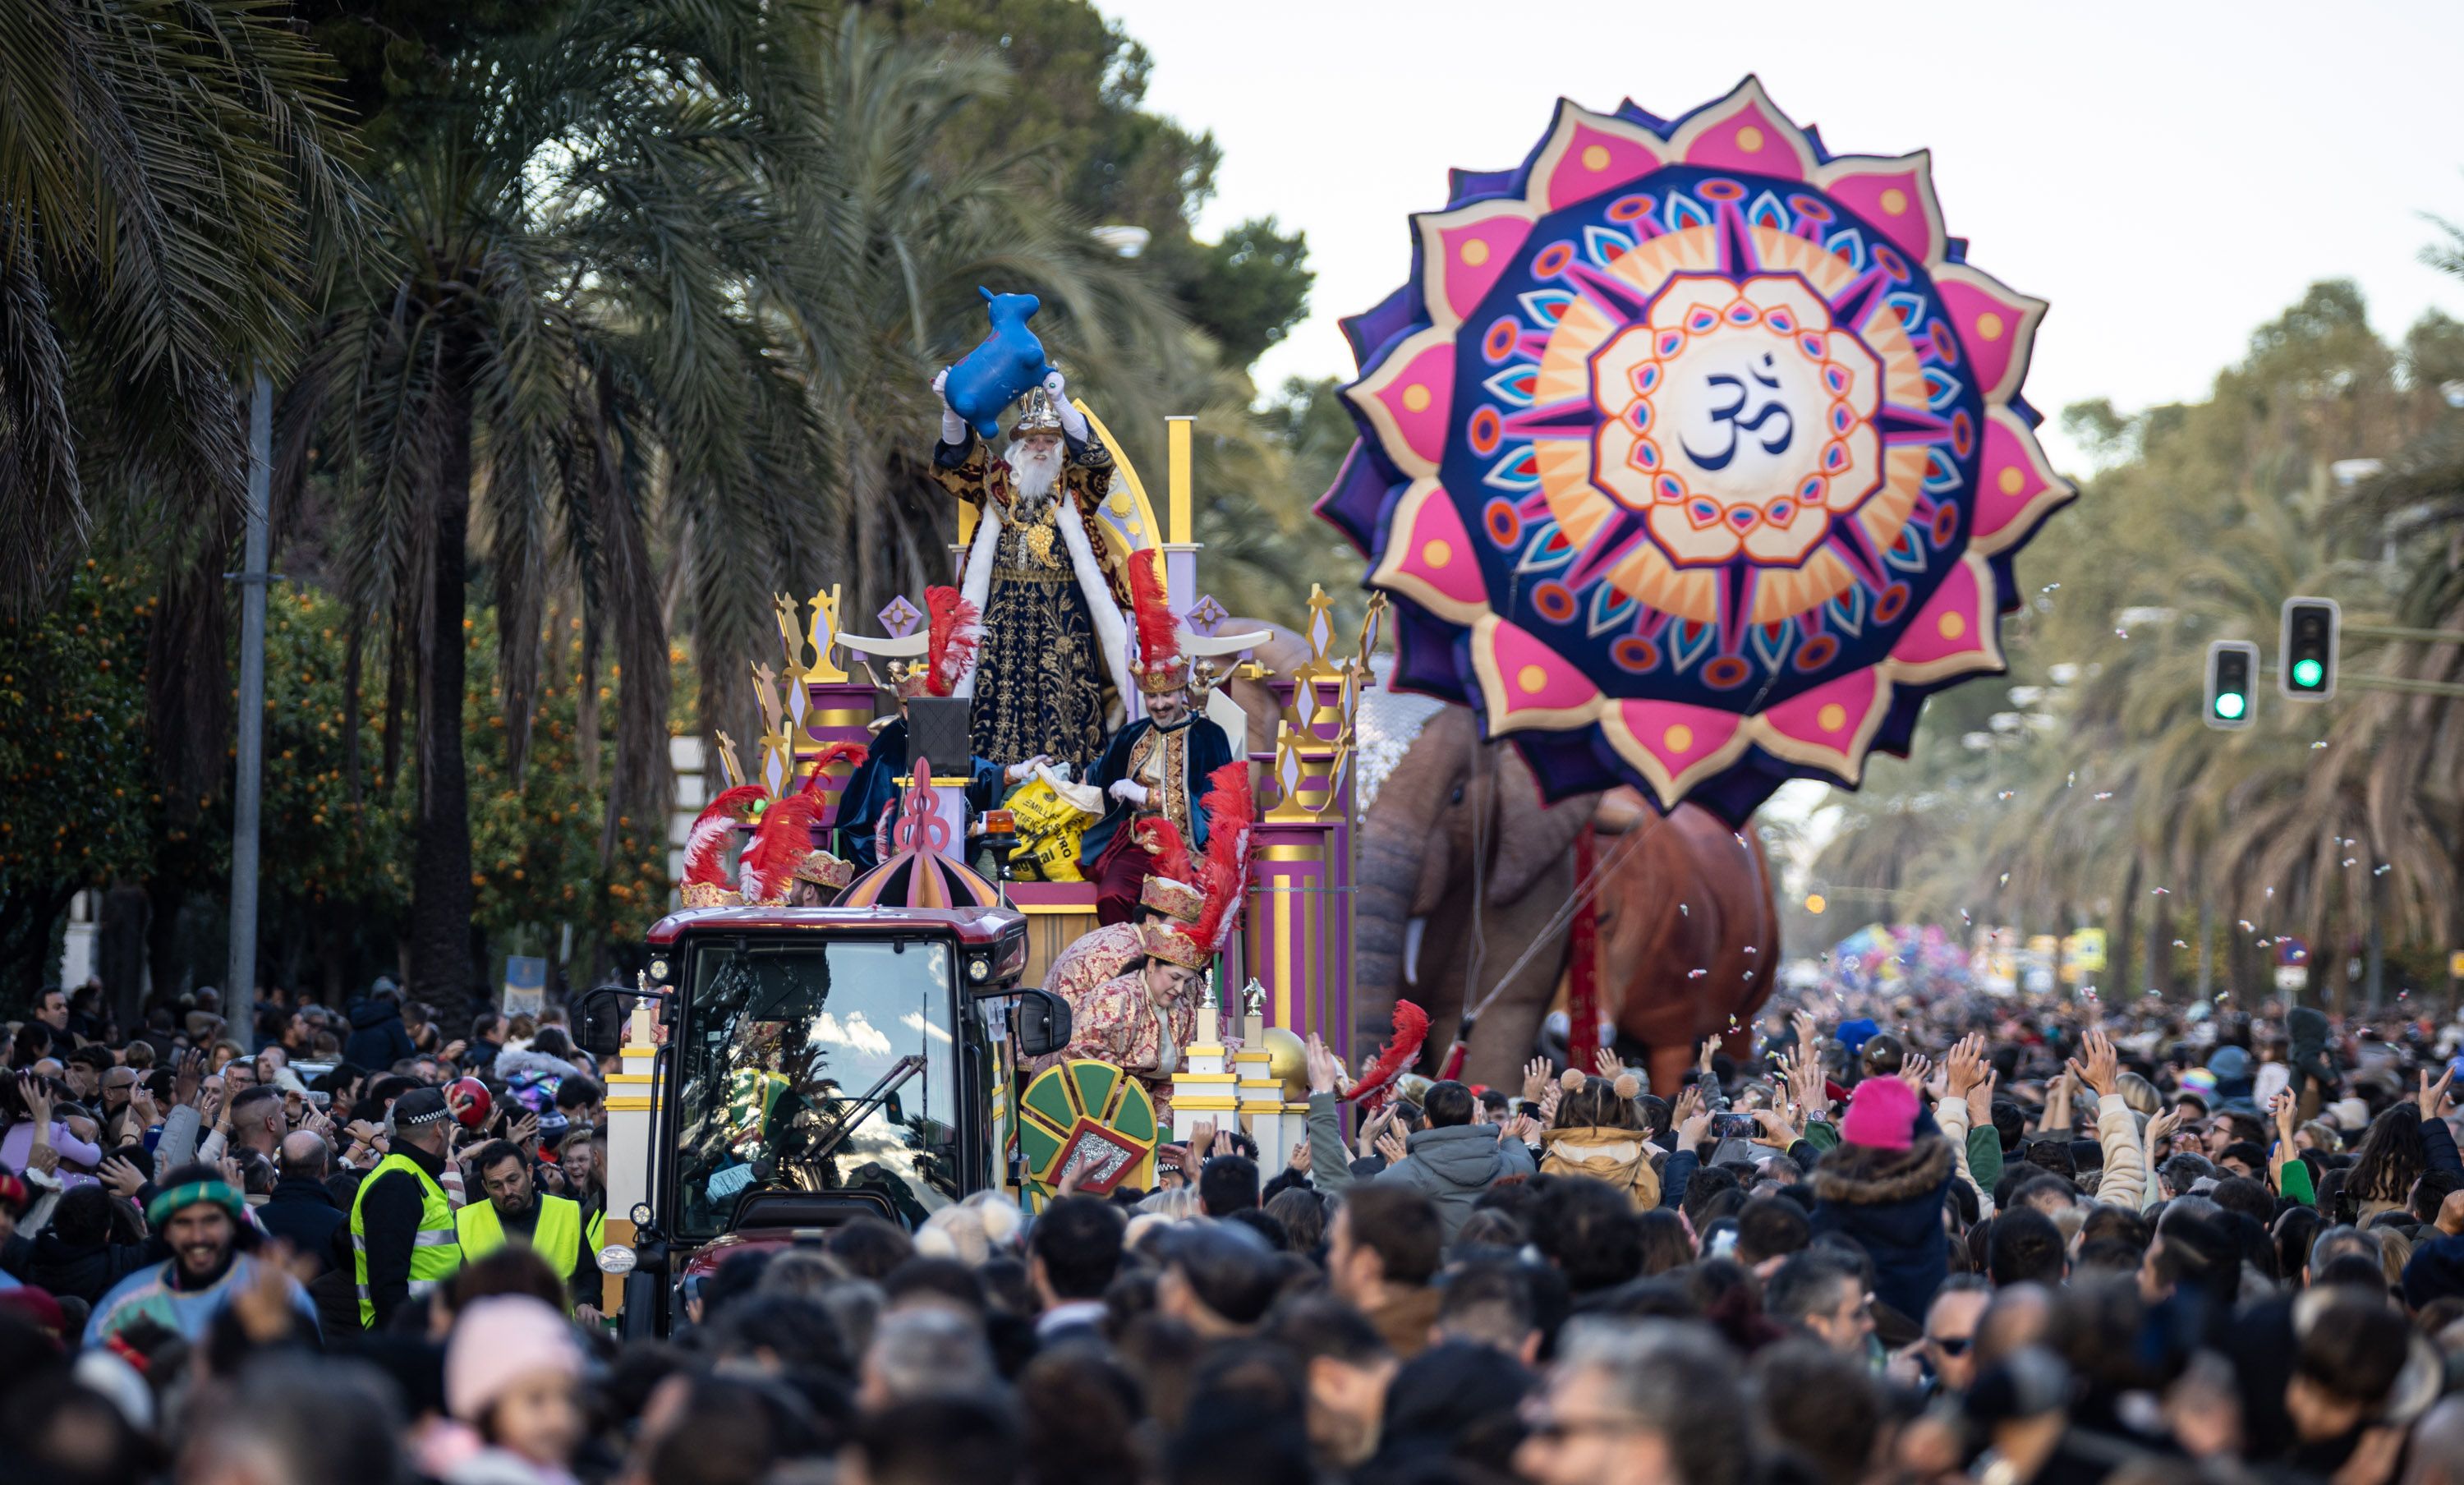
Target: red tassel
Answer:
[[1411, 1032], [1583, 969]]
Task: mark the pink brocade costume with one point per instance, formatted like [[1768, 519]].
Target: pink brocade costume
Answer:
[[1092, 959], [1120, 1023]]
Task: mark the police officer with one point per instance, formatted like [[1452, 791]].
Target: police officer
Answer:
[[402, 1242], [551, 1226]]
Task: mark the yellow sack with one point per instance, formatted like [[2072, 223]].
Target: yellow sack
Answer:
[[1049, 828]]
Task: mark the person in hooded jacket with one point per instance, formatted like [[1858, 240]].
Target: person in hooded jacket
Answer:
[[378, 1038], [1452, 1160], [1598, 1133], [76, 1255], [1884, 1184]]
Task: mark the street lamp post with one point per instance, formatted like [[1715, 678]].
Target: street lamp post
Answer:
[[239, 993]]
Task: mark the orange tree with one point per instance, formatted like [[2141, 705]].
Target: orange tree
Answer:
[[543, 854], [75, 799]]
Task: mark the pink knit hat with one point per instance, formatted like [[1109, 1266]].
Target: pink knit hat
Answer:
[[498, 1340], [1882, 1114]]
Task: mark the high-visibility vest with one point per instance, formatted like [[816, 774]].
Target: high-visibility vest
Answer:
[[435, 1254], [556, 1237]]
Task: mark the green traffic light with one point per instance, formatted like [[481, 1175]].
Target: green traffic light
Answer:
[[2308, 673], [2231, 705]]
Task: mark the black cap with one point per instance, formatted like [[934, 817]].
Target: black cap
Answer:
[[417, 1107]]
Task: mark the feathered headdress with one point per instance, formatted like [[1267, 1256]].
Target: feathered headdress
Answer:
[[1171, 887], [950, 643], [1160, 666], [1411, 1031], [1222, 878], [705, 882], [781, 842]]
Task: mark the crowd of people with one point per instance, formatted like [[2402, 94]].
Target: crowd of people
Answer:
[[1902, 1240]]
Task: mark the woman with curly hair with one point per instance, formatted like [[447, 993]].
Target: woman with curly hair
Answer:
[[2391, 1159]]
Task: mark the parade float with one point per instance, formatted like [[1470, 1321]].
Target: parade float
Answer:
[[1692, 458]]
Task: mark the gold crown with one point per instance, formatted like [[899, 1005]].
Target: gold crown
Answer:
[[1040, 418], [1176, 898], [1163, 677], [1172, 945], [709, 894], [824, 870]]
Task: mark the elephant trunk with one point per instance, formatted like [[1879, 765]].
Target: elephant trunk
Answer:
[[1381, 925]]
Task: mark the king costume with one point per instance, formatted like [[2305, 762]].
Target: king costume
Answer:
[[1124, 1020], [1051, 591], [1165, 762]]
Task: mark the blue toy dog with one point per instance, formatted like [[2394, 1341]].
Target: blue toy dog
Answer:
[[1009, 363]]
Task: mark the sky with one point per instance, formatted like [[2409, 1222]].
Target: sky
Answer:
[[2167, 173]]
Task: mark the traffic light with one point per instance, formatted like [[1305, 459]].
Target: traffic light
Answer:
[[2306, 639], [2232, 672]]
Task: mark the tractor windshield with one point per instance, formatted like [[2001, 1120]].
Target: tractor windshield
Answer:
[[781, 1043]]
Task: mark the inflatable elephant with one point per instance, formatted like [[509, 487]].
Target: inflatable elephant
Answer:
[[1462, 869], [1008, 365]]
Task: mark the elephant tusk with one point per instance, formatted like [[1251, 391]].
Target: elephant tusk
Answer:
[[1414, 932]]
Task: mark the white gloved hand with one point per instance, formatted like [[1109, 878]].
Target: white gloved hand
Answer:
[[953, 428], [1128, 791], [1021, 772], [1072, 421]]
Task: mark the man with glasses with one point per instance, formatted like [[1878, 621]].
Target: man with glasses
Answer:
[[1824, 1297], [1949, 1346], [1638, 1403]]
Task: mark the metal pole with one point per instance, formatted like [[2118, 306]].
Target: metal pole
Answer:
[[239, 992]]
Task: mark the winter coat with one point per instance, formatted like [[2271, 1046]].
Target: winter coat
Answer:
[[1891, 1202], [303, 1213], [378, 1039], [1620, 1157], [86, 1269], [1453, 1165]]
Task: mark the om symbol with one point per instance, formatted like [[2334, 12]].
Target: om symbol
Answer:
[[1733, 416]]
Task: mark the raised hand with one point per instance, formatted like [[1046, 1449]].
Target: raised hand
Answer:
[[122, 1178], [1807, 1028], [2285, 1108], [37, 1097], [2161, 1128], [1980, 1098], [2103, 1065], [1772, 1128], [1608, 1063], [1965, 1065], [1391, 1146], [1535, 1080], [1550, 1092], [1325, 1068], [187, 1076], [1300, 1158], [2432, 1096], [1201, 1138], [1914, 1070]]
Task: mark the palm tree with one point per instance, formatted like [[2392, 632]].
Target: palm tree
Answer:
[[562, 352], [168, 170]]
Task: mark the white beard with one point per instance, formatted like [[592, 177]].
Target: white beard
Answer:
[[1033, 476]]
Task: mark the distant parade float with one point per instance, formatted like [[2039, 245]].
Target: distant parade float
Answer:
[[1693, 454], [1692, 458]]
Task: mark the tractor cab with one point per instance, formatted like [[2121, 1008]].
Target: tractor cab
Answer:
[[790, 1068]]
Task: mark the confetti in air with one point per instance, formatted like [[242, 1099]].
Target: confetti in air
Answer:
[[1696, 974], [2383, 869], [2105, 794], [2006, 879], [2319, 745], [2006, 793], [2162, 892], [2178, 944]]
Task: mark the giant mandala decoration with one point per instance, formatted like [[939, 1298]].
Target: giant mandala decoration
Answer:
[[1693, 453]]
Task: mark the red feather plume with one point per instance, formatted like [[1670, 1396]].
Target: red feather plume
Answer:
[[950, 642], [710, 830], [1158, 631], [1411, 1031], [1225, 874], [1163, 842], [836, 752], [780, 843]]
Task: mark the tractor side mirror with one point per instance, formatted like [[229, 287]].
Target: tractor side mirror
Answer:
[[1041, 1020]]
